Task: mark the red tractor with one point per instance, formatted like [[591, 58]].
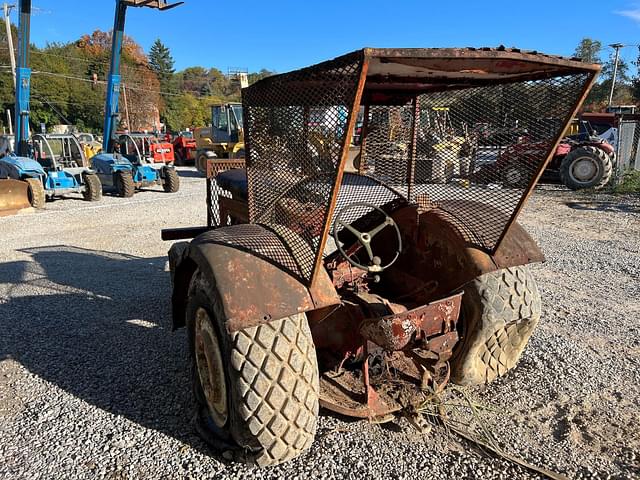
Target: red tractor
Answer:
[[362, 290], [185, 147], [155, 149], [578, 164]]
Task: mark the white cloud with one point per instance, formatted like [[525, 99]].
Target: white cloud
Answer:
[[633, 14]]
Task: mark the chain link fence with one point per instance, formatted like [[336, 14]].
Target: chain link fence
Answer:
[[628, 146]]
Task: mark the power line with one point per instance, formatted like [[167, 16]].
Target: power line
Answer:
[[136, 87]]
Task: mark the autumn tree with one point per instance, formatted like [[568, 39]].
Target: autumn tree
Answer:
[[69, 85]]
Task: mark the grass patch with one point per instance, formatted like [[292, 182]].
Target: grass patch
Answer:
[[630, 183]]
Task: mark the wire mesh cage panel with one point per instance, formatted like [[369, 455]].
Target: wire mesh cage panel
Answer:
[[387, 145], [296, 128], [463, 130], [474, 151], [217, 189], [265, 243]]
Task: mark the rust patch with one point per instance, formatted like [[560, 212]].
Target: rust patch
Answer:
[[413, 327]]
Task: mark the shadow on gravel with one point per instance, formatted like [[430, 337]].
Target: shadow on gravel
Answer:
[[97, 325], [191, 173], [605, 206]]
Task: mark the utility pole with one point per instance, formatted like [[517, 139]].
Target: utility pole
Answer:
[[12, 55], [617, 47], [126, 106]]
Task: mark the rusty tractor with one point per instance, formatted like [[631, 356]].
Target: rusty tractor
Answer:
[[364, 287]]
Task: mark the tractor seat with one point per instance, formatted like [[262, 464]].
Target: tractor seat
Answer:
[[235, 181]]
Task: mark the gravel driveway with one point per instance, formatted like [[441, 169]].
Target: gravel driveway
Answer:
[[93, 382]]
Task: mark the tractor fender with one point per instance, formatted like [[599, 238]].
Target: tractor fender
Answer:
[[446, 254], [253, 290], [602, 145]]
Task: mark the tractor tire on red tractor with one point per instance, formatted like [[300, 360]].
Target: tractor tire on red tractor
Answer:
[[586, 167], [257, 389], [179, 158], [342, 291], [500, 311]]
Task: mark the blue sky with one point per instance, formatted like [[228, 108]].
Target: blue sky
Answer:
[[289, 34]]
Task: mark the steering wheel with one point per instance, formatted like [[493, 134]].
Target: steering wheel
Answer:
[[364, 238]]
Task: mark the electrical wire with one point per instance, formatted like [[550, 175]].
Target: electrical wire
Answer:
[[125, 67]]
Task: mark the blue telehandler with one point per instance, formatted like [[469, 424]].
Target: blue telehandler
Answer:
[[51, 165], [21, 177], [122, 163]]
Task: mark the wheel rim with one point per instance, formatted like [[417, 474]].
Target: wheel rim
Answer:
[[210, 368], [584, 170]]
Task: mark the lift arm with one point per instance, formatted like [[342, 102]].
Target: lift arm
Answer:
[[113, 84], [23, 79]]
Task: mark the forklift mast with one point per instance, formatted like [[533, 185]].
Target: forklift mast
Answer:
[[114, 81], [23, 79]]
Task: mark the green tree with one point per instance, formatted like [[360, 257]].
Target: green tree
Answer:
[[623, 89], [588, 50], [161, 62]]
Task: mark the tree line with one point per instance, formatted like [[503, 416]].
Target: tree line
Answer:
[[627, 88], [69, 85]]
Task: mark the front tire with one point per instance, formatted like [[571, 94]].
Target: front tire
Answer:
[[500, 311], [37, 197], [92, 187], [201, 162], [171, 182], [124, 184], [258, 386], [586, 167]]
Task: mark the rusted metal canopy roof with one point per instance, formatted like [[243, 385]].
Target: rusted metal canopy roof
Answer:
[[469, 63], [423, 69], [395, 75]]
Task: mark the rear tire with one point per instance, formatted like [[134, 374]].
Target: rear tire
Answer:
[[92, 187], [171, 180], [500, 311], [179, 159], [270, 411], [124, 184], [37, 197], [586, 167]]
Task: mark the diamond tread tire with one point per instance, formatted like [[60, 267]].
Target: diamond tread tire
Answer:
[[272, 382], [500, 311]]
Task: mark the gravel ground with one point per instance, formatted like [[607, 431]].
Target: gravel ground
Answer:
[[93, 383]]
